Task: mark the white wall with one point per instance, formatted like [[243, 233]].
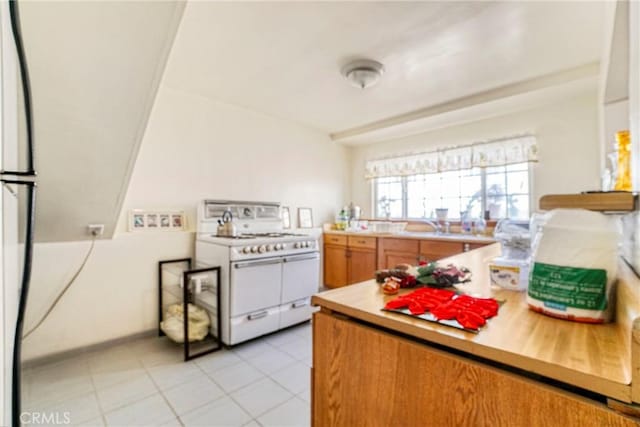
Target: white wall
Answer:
[[567, 134], [193, 149]]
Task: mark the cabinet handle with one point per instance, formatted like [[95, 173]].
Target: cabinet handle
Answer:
[[362, 242], [466, 247], [259, 315], [299, 304]]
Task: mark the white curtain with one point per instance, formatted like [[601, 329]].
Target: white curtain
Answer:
[[493, 153]]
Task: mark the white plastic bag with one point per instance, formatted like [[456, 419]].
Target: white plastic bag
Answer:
[[173, 323], [575, 258]]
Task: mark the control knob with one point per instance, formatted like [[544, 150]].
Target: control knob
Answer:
[[262, 249], [296, 245], [246, 249], [254, 249], [279, 246], [270, 248]]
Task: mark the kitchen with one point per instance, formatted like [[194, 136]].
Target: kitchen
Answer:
[[174, 103]]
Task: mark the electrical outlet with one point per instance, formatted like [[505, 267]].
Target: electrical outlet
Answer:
[[95, 229]]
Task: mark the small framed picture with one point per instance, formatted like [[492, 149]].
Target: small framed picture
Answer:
[[286, 218], [305, 218], [137, 221], [165, 220], [152, 220], [177, 221]]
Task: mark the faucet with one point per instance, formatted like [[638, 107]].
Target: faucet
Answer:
[[437, 228]]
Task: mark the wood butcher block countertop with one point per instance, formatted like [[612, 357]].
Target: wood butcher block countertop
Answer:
[[419, 235], [593, 357]]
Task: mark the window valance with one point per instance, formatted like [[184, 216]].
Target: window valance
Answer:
[[492, 153]]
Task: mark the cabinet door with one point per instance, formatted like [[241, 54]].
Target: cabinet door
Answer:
[[362, 265], [335, 266], [434, 250], [392, 252], [391, 259]]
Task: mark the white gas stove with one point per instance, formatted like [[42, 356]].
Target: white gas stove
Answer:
[[267, 273]]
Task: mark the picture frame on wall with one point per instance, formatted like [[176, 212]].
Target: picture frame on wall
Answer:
[[305, 218], [286, 217]]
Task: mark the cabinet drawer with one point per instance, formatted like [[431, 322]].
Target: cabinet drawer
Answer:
[[334, 239], [401, 245], [440, 248], [362, 242]]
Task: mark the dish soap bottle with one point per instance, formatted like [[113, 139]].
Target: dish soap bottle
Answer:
[[465, 222]]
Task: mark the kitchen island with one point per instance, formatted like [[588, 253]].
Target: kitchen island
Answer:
[[372, 367]]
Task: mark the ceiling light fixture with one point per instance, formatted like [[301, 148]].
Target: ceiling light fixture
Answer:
[[363, 73]]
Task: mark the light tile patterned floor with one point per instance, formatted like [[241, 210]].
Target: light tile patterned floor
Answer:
[[265, 382]]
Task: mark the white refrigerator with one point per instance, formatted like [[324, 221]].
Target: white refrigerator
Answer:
[[17, 203]]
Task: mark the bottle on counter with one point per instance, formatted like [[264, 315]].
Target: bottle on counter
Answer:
[[342, 220], [480, 226], [465, 222]]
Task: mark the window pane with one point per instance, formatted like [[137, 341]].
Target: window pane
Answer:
[[431, 206], [450, 184], [497, 207], [517, 182], [473, 205], [519, 207], [389, 193], [416, 207], [495, 185], [396, 209], [471, 186], [453, 204]]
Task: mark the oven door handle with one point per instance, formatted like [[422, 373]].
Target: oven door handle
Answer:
[[256, 263], [258, 315], [314, 255], [299, 304]]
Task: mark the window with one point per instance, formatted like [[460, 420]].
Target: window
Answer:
[[501, 190]]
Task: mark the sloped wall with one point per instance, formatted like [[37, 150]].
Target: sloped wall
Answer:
[[95, 68]]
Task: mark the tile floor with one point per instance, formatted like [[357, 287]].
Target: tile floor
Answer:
[[265, 382]]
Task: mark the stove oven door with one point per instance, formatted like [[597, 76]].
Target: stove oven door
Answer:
[[300, 280], [254, 297]]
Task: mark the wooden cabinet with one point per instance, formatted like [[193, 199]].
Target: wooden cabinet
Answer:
[[365, 376], [348, 259], [352, 258], [392, 252]]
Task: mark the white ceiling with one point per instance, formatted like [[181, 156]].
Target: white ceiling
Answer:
[[284, 58]]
